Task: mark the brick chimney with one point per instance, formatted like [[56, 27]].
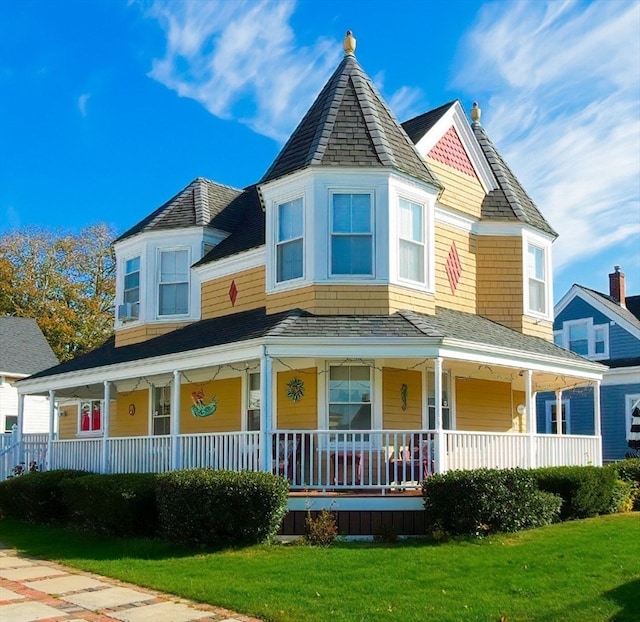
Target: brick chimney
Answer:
[[616, 286]]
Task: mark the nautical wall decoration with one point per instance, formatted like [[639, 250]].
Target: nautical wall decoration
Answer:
[[199, 408], [295, 389]]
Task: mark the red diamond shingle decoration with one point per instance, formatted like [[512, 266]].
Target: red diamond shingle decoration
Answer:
[[233, 293], [453, 268]]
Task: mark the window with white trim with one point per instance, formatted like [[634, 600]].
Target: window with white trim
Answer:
[[90, 416], [411, 241], [132, 281], [551, 410], [351, 234], [537, 279], [161, 414], [350, 397], [253, 402], [584, 337], [431, 401], [632, 411], [290, 241], [9, 422], [173, 282]]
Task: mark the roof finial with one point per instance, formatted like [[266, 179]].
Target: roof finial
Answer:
[[349, 44], [475, 113]]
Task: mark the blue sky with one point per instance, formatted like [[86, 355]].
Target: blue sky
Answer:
[[107, 108]]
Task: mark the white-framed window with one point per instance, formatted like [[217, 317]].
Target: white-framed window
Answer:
[[551, 411], [161, 412], [411, 241], [537, 278], [132, 281], [350, 397], [9, 422], [90, 417], [632, 411], [253, 402], [446, 401], [584, 337], [173, 282], [351, 234], [290, 241]]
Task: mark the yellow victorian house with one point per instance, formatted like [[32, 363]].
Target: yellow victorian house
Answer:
[[376, 308]]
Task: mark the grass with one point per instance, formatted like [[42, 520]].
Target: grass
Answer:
[[582, 570]]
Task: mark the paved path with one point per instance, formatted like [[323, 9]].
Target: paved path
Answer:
[[34, 590]]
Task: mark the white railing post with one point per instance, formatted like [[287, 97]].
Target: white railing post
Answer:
[[52, 420], [266, 370], [440, 444], [596, 422], [20, 428], [175, 422], [531, 418], [104, 468]]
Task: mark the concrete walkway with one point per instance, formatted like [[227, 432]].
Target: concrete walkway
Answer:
[[33, 590]]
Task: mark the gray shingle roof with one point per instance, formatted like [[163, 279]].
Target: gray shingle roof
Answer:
[[417, 127], [23, 347], [195, 205], [614, 306], [349, 125], [510, 200]]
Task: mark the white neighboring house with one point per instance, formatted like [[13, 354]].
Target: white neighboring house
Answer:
[[23, 351]]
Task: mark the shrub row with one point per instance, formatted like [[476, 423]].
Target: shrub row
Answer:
[[484, 501], [198, 506]]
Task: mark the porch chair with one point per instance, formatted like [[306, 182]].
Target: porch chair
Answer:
[[412, 465], [285, 449]]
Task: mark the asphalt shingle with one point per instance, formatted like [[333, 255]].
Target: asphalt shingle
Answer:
[[23, 347]]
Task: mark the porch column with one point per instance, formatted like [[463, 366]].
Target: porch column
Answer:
[[531, 417], [52, 421], [175, 422], [596, 422], [266, 370], [440, 444], [20, 428], [105, 427], [559, 412]]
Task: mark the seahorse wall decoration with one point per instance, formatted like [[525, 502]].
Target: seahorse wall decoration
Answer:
[[199, 408], [403, 396]]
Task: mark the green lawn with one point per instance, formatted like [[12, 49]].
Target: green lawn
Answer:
[[584, 571]]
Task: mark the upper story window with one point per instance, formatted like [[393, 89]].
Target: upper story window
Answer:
[[537, 277], [290, 244], [132, 281], [584, 338], [411, 241], [351, 234], [173, 283]]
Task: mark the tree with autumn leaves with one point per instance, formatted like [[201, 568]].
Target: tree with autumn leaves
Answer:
[[65, 281]]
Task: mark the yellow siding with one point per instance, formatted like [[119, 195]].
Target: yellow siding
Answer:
[[405, 298], [483, 405], [127, 336], [464, 297], [499, 286], [303, 414], [68, 421], [227, 418], [393, 417], [461, 192], [251, 293], [537, 328], [519, 421], [124, 424]]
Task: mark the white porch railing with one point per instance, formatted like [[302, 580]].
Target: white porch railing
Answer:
[[83, 454], [33, 450], [493, 450], [237, 451], [139, 454], [567, 450]]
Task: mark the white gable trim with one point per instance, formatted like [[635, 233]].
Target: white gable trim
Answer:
[[590, 299], [456, 117]]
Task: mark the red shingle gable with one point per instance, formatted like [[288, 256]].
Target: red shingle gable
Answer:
[[449, 150]]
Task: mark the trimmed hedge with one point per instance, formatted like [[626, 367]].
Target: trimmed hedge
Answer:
[[485, 501], [37, 497], [220, 508], [118, 504], [628, 470], [585, 490]]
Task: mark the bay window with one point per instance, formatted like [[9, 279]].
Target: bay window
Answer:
[[537, 279], [411, 241], [290, 243], [173, 282], [351, 234]]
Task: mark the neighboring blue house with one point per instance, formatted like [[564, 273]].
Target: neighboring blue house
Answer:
[[603, 328]]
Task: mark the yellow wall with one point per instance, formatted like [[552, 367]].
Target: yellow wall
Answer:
[[127, 336], [519, 421], [483, 405], [406, 298], [68, 421], [251, 293], [499, 289], [393, 417], [227, 417], [461, 192], [303, 414], [124, 424], [537, 328]]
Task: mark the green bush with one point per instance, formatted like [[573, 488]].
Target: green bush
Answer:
[[485, 501], [321, 529], [220, 508], [585, 490], [118, 504], [622, 497], [629, 471], [36, 497]]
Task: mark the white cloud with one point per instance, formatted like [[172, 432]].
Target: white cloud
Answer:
[[82, 103], [240, 60], [561, 81]]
